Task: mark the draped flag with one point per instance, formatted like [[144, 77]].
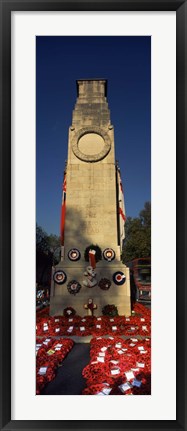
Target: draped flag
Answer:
[[121, 208], [63, 211], [92, 260]]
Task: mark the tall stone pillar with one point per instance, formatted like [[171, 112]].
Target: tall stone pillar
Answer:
[[92, 208]]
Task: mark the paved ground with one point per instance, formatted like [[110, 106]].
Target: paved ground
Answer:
[[69, 380]]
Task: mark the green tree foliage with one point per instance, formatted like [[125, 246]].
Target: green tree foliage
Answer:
[[42, 245], [47, 254], [54, 246], [137, 241], [47, 244]]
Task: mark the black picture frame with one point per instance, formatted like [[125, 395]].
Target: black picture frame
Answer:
[[6, 7]]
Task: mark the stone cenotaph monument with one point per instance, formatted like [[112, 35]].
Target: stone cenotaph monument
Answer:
[[91, 274]]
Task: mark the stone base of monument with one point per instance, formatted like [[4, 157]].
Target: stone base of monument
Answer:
[[115, 273]]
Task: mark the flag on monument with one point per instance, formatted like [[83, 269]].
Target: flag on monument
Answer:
[[121, 208], [92, 260], [63, 210]]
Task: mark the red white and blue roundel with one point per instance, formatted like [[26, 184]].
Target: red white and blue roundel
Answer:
[[119, 278], [109, 254], [74, 254], [60, 277]]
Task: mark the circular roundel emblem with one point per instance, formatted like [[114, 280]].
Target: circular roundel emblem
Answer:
[[109, 254], [119, 278], [74, 254], [60, 277]]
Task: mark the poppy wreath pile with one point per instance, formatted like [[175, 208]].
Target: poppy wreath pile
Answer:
[[85, 326], [109, 254], [49, 354], [74, 254], [118, 367], [56, 326], [104, 284], [60, 277], [138, 324], [140, 309], [69, 312], [73, 287], [110, 310], [43, 312]]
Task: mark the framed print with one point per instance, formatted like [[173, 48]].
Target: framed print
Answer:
[[80, 38]]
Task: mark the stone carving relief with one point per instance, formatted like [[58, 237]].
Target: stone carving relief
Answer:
[[92, 157]]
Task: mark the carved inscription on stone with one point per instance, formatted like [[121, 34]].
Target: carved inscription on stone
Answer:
[[90, 213], [92, 227]]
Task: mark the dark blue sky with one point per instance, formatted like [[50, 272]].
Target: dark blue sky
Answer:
[[126, 63]]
